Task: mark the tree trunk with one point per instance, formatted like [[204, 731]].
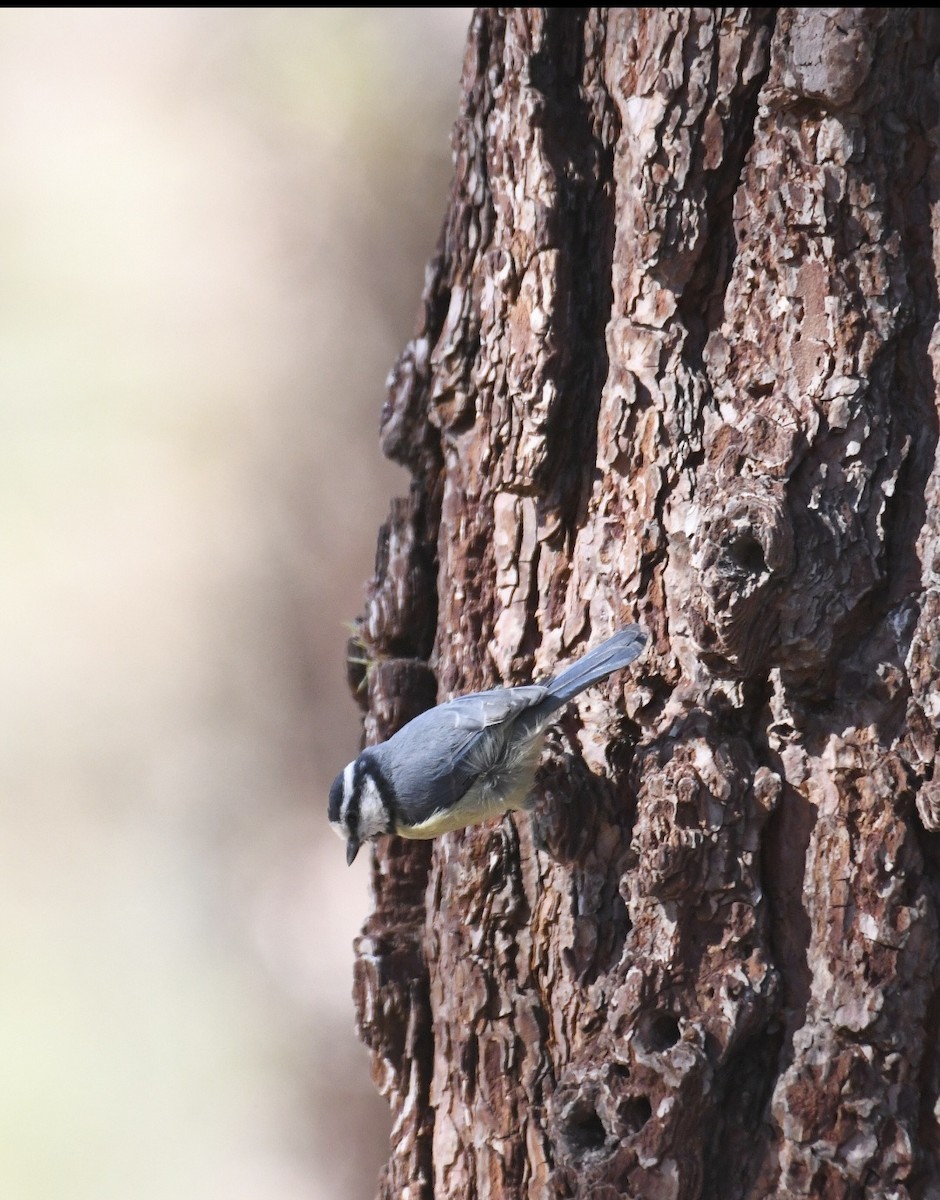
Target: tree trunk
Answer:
[[676, 363]]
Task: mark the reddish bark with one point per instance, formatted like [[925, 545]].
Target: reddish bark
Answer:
[[676, 363]]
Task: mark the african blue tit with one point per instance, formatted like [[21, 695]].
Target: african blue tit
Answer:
[[465, 760]]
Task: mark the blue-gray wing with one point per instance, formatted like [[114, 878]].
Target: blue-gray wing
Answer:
[[434, 755], [475, 716], [480, 710], [465, 720]]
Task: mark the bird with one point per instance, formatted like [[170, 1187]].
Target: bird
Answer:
[[465, 760]]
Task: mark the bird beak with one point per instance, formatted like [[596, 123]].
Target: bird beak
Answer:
[[352, 849]]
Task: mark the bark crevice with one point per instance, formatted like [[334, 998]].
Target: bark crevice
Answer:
[[675, 364]]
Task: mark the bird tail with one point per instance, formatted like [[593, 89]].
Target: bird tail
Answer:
[[617, 652]]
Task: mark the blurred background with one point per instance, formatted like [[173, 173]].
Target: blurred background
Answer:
[[213, 230]]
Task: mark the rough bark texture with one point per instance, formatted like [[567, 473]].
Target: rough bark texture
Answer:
[[676, 363]]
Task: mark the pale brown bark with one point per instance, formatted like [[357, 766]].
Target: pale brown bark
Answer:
[[676, 363]]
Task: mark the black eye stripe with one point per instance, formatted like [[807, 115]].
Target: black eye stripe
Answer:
[[366, 768], [336, 799], [384, 788]]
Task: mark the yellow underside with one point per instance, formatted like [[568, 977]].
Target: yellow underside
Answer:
[[470, 811]]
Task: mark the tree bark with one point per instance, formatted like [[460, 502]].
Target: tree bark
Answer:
[[676, 363]]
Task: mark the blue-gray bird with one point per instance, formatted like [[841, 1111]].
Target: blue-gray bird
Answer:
[[468, 759]]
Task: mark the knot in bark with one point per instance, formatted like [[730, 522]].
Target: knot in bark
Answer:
[[594, 1109], [623, 1122], [826, 56], [669, 840], [742, 550]]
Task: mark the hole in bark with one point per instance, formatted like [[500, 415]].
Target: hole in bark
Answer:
[[761, 387], [584, 1130], [707, 637], [634, 1112], [659, 1032], [748, 553]]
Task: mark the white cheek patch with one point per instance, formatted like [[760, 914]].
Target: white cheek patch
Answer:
[[373, 817], [340, 826]]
